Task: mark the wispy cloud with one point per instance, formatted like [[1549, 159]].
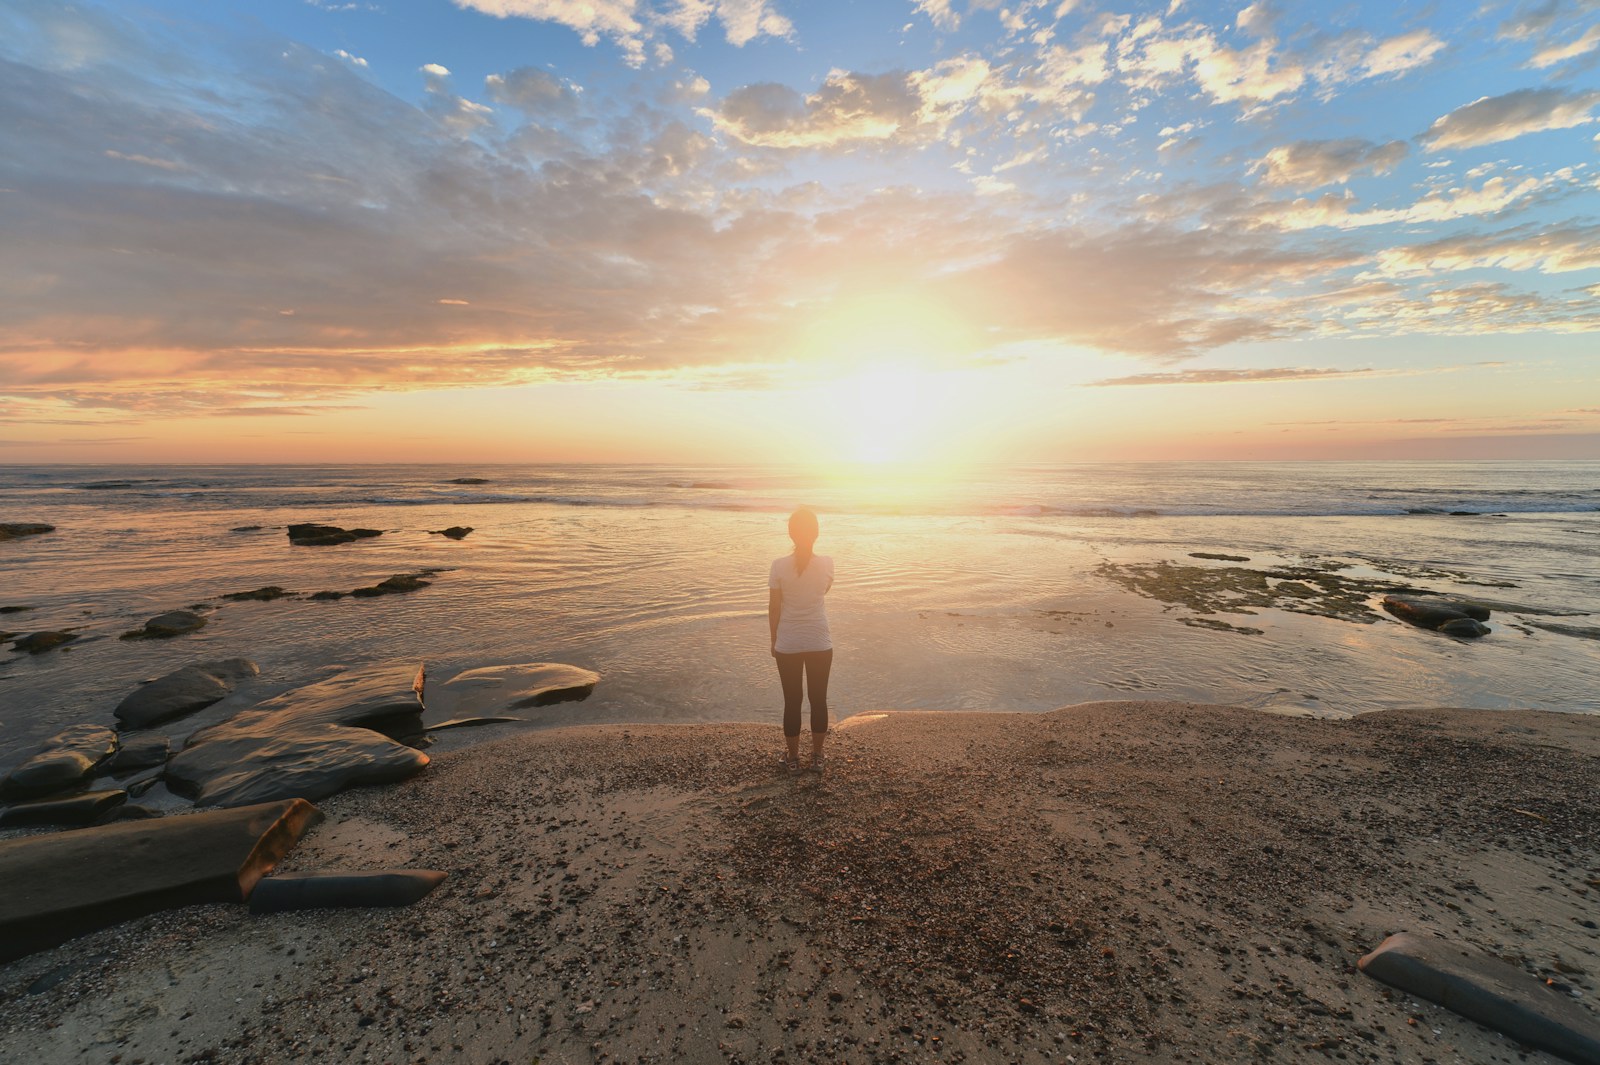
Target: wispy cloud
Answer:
[[1491, 119], [1232, 377]]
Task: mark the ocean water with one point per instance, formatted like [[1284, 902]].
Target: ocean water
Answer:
[[985, 589]]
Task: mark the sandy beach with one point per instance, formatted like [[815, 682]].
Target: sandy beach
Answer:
[[1111, 881]]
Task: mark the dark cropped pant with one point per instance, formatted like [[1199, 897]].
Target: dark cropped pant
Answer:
[[815, 665]]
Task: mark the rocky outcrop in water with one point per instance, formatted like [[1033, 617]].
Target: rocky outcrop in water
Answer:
[[260, 595], [1449, 616], [165, 626], [455, 532], [16, 530], [64, 761], [65, 884], [182, 692], [309, 742], [139, 752], [310, 534], [399, 583], [469, 480], [37, 643]]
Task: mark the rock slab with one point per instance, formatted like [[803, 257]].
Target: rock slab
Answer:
[[495, 690], [183, 691], [82, 809], [1487, 990], [64, 761], [37, 643], [309, 742], [320, 891], [65, 884]]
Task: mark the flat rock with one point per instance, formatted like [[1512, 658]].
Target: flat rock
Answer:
[[1489, 991], [498, 689], [15, 530], [183, 691], [64, 761], [261, 595], [400, 582], [455, 532], [165, 626], [1427, 612], [139, 752], [37, 643], [309, 742], [65, 884], [310, 534], [328, 890], [1218, 556], [469, 480], [82, 809]]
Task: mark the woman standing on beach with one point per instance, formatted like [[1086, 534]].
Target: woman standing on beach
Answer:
[[800, 639]]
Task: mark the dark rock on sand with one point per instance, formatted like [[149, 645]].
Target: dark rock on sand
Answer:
[[17, 530], [14, 609], [316, 891], [309, 742], [247, 528], [127, 812], [1487, 990], [1450, 616], [400, 582], [139, 752], [65, 884], [66, 760], [1464, 513], [165, 626], [1219, 556], [310, 534], [325, 596], [183, 691], [37, 643], [455, 532], [496, 689], [81, 809], [263, 595], [469, 480]]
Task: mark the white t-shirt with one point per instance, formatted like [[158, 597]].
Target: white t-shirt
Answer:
[[802, 619]]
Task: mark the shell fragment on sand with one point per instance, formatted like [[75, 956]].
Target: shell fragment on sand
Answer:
[[65, 884], [316, 891], [1487, 990]]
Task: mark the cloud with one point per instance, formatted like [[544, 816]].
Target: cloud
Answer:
[[353, 60], [940, 13], [1441, 205], [1550, 55], [1491, 119], [630, 23], [848, 107], [1402, 54], [1562, 249], [1229, 377], [532, 91], [1311, 164]]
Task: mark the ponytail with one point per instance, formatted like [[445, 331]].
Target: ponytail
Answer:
[[803, 529]]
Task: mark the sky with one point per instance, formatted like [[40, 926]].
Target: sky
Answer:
[[723, 231]]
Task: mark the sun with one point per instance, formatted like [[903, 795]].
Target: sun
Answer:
[[890, 412]]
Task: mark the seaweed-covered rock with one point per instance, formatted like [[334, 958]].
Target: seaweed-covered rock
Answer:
[[183, 691], [308, 742], [469, 480], [37, 643], [1450, 616], [400, 582], [66, 760], [455, 532], [165, 626], [496, 690], [15, 530], [261, 595], [310, 534]]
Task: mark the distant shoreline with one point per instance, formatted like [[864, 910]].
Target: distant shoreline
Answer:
[[1161, 881]]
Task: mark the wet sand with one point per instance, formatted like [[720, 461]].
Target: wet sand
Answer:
[[1112, 881]]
